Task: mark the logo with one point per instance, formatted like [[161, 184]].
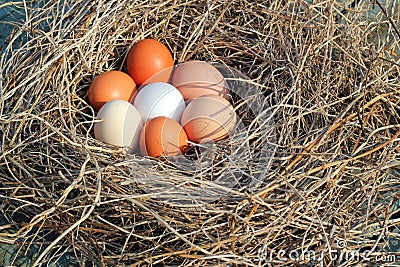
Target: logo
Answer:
[[336, 255]]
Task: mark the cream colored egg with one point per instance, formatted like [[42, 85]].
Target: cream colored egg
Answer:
[[119, 124]]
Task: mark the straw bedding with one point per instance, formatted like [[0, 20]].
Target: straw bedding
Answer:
[[323, 143]]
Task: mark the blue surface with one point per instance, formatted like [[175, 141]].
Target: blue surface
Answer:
[[8, 14]]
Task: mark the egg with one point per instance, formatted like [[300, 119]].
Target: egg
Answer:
[[119, 124], [159, 99], [208, 117], [162, 136], [197, 78], [164, 75], [109, 86], [146, 58]]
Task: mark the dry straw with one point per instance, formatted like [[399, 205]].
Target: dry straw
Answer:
[[328, 70]]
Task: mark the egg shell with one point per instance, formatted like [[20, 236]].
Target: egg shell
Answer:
[[119, 124], [159, 99], [208, 117], [146, 58], [110, 85], [162, 136], [197, 78], [164, 75]]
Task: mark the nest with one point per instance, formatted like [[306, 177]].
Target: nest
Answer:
[[316, 162]]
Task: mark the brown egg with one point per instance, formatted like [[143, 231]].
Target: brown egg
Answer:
[[163, 136], [197, 78], [208, 117], [110, 85], [147, 58]]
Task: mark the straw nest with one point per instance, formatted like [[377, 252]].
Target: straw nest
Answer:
[[323, 147]]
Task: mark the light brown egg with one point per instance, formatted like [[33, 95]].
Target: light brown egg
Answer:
[[208, 117], [162, 136], [197, 78]]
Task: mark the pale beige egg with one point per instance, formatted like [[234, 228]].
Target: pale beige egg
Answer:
[[119, 124]]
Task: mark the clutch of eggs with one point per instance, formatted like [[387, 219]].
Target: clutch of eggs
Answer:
[[154, 119]]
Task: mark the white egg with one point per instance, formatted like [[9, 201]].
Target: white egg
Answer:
[[119, 124], [159, 99]]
